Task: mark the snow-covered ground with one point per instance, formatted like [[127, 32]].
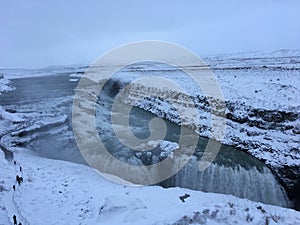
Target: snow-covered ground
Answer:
[[262, 100], [59, 192]]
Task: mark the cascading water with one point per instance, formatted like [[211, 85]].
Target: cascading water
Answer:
[[251, 183], [232, 172]]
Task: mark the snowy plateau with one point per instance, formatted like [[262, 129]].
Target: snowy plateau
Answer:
[[261, 92]]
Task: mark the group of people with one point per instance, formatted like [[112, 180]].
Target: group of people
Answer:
[[19, 180]]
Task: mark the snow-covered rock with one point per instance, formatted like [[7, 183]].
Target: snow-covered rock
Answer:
[[5, 85], [167, 148]]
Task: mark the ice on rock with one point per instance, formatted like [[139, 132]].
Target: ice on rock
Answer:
[[5, 85], [167, 148]]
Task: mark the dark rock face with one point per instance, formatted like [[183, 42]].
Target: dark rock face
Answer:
[[260, 118], [296, 195], [290, 179]]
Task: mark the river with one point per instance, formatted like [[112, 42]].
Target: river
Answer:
[[232, 172]]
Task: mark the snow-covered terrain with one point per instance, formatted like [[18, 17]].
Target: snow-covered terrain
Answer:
[[59, 192], [261, 93], [262, 108]]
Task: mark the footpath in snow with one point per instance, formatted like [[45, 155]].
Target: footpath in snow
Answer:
[[58, 192]]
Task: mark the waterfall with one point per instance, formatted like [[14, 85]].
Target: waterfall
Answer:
[[233, 171], [251, 183]]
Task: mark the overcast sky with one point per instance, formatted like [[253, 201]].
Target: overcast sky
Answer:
[[41, 33]]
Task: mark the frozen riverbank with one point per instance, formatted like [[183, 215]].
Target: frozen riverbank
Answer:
[[45, 129], [5, 85], [261, 93], [59, 192]]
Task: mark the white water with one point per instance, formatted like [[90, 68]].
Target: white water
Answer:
[[254, 184], [233, 172]]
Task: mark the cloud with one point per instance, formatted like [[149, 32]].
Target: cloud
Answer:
[[40, 33]]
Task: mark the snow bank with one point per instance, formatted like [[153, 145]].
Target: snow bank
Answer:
[[5, 85], [58, 192]]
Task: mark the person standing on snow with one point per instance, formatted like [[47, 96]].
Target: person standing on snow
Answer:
[[15, 219]]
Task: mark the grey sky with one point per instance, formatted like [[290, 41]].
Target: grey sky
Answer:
[[40, 33]]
